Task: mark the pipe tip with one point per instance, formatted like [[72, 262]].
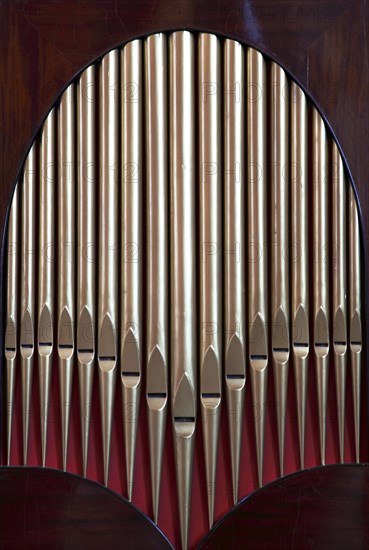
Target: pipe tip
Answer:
[[235, 493]]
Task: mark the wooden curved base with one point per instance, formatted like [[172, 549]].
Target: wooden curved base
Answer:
[[44, 509], [322, 508]]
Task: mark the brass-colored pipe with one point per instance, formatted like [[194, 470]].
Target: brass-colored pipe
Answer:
[[234, 247], [131, 304], [299, 252], [66, 269], [46, 271], [339, 289], [356, 335], [27, 285], [209, 103], [87, 249], [280, 244], [11, 336], [108, 241], [321, 281], [183, 265], [257, 234], [157, 254]]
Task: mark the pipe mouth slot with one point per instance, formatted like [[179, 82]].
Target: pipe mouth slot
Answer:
[[85, 337], [107, 350], [280, 337], [339, 332], [184, 426], [130, 357], [340, 347], [300, 333], [45, 330], [258, 355], [65, 335], [184, 419], [156, 388], [210, 400], [156, 401], [10, 339], [210, 390], [45, 348], [184, 408], [235, 371], [356, 343], [107, 362], [321, 334], [27, 335], [356, 346]]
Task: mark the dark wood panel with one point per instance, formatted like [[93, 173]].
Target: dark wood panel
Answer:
[[37, 511], [320, 509]]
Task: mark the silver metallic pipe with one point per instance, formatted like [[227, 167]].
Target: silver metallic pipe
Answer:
[[321, 281], [66, 270], [157, 254], [131, 304], [209, 94], [87, 250], [356, 336], [11, 337], [280, 243], [339, 289], [108, 240], [27, 285], [299, 251], [257, 211], [46, 272], [183, 265], [234, 247]]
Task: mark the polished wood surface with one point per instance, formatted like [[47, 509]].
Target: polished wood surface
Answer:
[[44, 509], [319, 509]]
